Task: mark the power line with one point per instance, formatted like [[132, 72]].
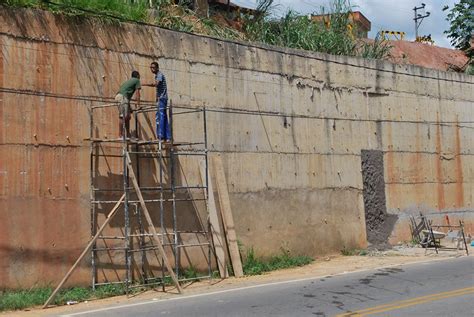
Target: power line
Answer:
[[172, 70], [243, 111], [293, 52], [419, 17]]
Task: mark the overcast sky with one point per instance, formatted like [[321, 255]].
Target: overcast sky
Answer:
[[384, 15]]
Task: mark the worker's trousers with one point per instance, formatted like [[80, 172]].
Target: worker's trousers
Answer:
[[162, 127]]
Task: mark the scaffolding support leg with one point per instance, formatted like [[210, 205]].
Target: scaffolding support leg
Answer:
[[150, 224]]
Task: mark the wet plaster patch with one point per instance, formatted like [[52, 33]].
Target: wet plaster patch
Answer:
[[379, 224]]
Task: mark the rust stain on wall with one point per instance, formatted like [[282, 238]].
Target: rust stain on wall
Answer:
[[45, 223], [390, 163], [415, 162], [4, 222], [439, 167], [2, 118], [459, 173]]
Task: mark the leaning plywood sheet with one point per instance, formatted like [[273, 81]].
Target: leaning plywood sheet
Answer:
[[214, 221], [227, 217]]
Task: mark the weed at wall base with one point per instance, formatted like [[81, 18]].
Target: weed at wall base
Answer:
[[21, 299], [255, 266], [353, 252]]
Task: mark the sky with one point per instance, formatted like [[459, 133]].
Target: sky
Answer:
[[383, 14]]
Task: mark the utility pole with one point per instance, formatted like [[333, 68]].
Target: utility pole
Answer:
[[419, 17]]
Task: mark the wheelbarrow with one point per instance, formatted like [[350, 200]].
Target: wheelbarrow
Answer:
[[431, 239]]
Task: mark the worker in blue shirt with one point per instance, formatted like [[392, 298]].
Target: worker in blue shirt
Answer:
[[162, 126]]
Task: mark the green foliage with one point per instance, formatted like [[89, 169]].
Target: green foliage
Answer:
[[104, 9], [353, 252], [180, 18], [109, 290], [21, 3], [379, 48], [13, 300], [191, 272], [297, 31], [255, 266], [470, 68], [461, 19], [20, 299], [292, 30]]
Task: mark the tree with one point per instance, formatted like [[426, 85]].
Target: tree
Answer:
[[461, 19]]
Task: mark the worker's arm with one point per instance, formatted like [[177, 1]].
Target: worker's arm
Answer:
[[138, 98], [152, 84]]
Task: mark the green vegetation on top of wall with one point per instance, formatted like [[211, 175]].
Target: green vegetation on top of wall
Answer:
[[292, 30], [104, 9]]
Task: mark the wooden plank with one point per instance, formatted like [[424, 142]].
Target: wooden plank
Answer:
[[150, 224], [214, 221], [86, 250], [227, 217]]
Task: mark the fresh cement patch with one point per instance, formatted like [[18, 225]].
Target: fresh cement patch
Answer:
[[379, 224]]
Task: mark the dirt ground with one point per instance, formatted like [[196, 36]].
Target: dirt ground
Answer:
[[321, 267]]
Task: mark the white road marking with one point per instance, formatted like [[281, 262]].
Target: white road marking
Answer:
[[154, 300]]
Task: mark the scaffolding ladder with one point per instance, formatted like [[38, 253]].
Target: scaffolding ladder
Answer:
[[126, 255]]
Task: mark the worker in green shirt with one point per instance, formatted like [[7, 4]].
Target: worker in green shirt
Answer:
[[123, 97]]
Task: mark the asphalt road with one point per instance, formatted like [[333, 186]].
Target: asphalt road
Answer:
[[440, 288]]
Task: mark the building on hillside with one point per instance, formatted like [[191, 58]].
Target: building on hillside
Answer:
[[234, 7], [359, 25]]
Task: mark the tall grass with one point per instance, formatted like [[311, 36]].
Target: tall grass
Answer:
[[20, 299], [104, 9], [296, 31], [292, 30], [181, 18]]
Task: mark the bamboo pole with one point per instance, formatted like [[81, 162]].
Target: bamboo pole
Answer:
[[68, 274]]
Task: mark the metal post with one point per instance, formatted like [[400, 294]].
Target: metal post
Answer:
[[463, 236], [416, 24], [161, 163], [205, 149], [173, 192], [92, 194], [138, 211], [126, 210], [420, 17], [204, 117]]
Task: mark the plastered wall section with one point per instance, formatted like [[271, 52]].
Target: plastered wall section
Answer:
[[290, 126]]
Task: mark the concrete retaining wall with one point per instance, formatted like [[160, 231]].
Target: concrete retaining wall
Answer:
[[290, 126]]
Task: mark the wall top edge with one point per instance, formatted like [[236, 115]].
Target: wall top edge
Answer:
[[17, 14]]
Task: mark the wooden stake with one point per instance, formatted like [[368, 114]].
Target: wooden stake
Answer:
[[68, 274]]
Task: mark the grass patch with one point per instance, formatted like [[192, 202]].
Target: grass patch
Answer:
[[292, 30], [255, 266], [21, 299], [191, 272], [105, 10], [13, 300], [353, 252]]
